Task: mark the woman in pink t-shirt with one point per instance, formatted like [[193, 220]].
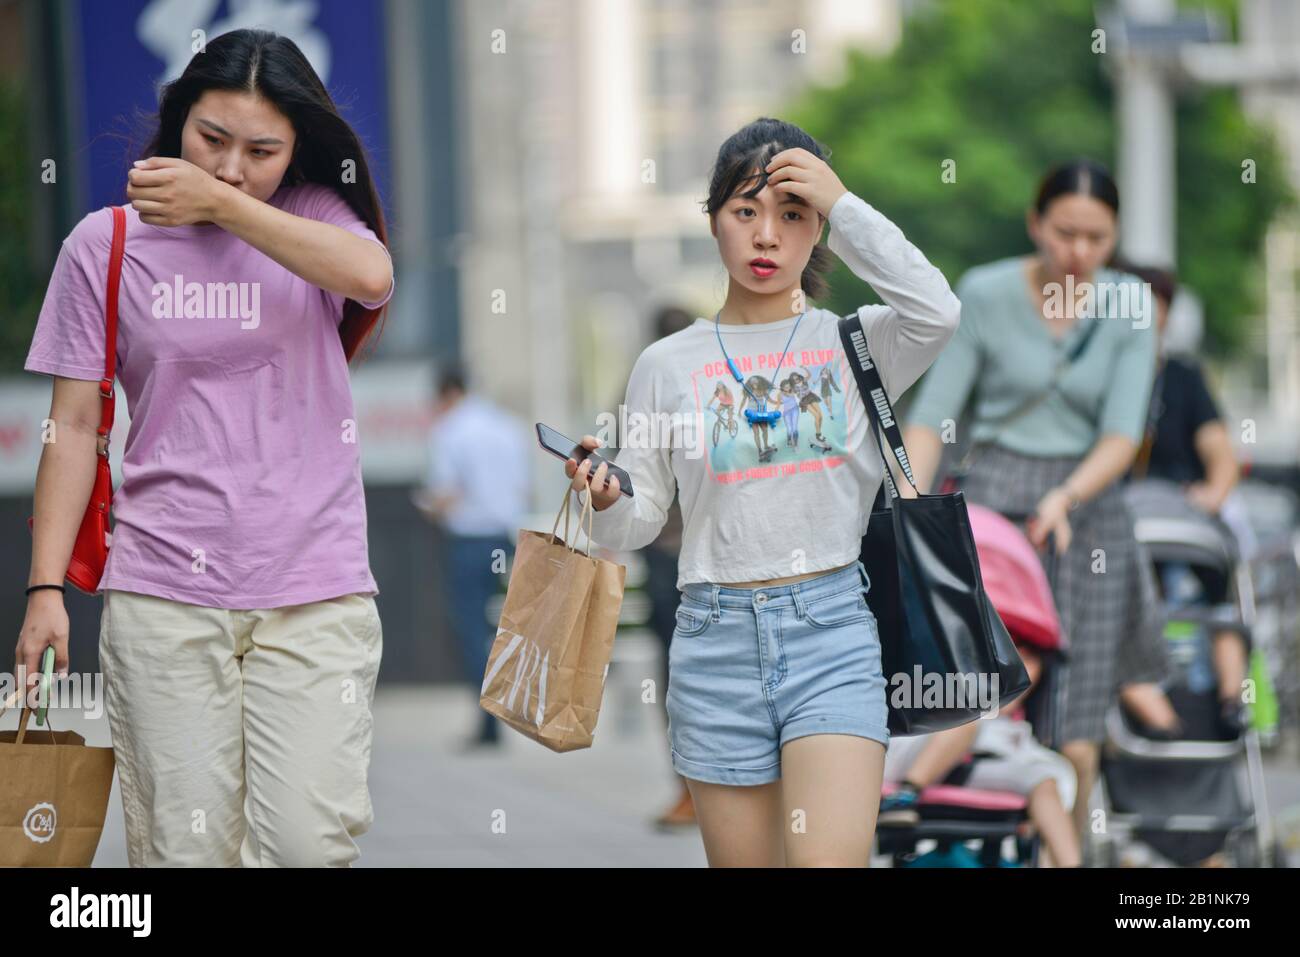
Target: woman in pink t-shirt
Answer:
[[239, 638]]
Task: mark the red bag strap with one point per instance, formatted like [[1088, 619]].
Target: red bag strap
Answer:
[[110, 323]]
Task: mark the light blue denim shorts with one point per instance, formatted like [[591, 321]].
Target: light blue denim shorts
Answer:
[[752, 668]]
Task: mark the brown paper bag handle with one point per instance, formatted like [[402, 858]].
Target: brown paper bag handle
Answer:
[[24, 717], [587, 512], [564, 510]]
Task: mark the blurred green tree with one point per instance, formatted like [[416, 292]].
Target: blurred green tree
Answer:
[[1004, 89]]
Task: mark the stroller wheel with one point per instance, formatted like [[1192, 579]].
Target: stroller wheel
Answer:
[[1110, 854], [1244, 849], [1279, 856], [1101, 851]]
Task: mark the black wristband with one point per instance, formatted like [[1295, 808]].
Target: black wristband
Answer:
[[35, 587]]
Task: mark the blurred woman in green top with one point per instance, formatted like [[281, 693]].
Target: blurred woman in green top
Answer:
[[1056, 353]]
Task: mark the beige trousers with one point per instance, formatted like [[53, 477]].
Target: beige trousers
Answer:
[[242, 737]]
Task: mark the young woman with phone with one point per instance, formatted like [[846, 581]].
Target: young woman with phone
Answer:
[[776, 698], [239, 638]]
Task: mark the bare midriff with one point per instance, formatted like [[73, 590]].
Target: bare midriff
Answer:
[[783, 581]]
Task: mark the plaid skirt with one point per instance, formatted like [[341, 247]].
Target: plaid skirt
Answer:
[[1104, 585]]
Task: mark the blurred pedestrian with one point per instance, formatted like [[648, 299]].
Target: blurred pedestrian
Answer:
[[661, 583], [1187, 443], [1004, 756], [1056, 350], [477, 492]]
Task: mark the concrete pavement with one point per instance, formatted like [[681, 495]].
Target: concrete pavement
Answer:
[[438, 806]]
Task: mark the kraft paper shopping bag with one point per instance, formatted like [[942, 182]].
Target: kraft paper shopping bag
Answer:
[[54, 792], [546, 672]]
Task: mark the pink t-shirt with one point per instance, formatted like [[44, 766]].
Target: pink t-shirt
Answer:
[[241, 476]]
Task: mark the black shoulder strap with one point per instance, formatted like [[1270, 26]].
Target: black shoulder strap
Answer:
[[874, 398]]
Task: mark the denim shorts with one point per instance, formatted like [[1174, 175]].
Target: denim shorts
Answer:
[[752, 668]]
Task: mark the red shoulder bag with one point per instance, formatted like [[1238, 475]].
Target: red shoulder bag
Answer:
[[90, 551]]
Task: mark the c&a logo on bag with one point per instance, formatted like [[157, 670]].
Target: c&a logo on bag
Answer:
[[516, 689], [39, 823]]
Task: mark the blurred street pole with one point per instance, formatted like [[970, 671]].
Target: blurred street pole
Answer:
[[1159, 49], [542, 178], [1265, 66], [1147, 174]]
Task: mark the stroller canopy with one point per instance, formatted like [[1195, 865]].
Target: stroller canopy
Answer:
[[1173, 529], [1014, 579]]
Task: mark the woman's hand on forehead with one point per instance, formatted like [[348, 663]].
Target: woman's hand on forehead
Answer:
[[799, 173]]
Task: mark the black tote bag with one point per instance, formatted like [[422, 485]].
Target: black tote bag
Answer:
[[941, 639]]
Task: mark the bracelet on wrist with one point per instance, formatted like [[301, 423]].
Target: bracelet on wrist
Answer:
[[1071, 497], [32, 588]]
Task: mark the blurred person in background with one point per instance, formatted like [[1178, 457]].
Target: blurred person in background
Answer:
[[477, 493], [1058, 403], [1185, 440], [1187, 443], [238, 594], [1006, 757], [661, 583]]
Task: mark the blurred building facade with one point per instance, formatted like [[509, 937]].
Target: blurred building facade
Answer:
[[1270, 31], [587, 144]]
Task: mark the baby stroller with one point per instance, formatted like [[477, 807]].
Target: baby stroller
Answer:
[[1184, 798], [953, 813]]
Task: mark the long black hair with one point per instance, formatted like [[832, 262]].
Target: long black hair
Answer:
[[746, 153], [272, 67]]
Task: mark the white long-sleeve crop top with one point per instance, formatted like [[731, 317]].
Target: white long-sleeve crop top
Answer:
[[803, 503]]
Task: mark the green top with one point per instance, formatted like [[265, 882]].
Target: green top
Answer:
[[1007, 354]]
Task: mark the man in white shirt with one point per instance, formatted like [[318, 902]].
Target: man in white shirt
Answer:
[[477, 492]]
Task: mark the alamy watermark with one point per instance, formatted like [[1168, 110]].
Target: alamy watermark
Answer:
[[654, 430], [945, 691], [77, 691], [208, 300], [1127, 301]]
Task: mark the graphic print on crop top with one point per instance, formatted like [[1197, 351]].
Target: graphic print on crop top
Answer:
[[804, 386]]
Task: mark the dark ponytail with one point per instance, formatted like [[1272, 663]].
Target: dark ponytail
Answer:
[[745, 154]]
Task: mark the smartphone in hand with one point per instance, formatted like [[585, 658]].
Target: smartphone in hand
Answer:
[[563, 447], [47, 680]]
